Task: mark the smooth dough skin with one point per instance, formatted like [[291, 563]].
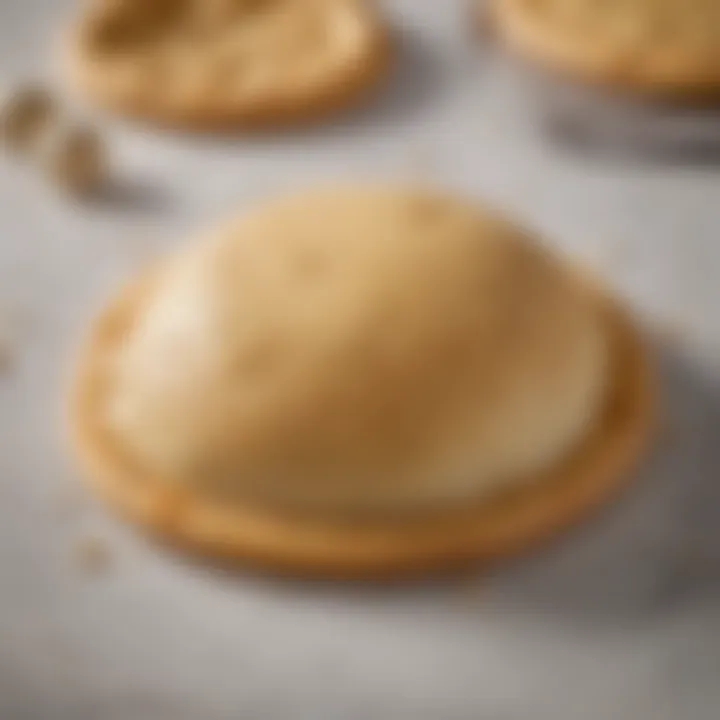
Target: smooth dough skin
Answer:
[[227, 64], [361, 349], [360, 381], [664, 48]]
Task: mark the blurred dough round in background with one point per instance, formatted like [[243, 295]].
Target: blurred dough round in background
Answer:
[[360, 352], [227, 64], [663, 48]]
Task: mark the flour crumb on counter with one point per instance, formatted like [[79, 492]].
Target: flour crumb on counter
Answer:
[[26, 112], [74, 158]]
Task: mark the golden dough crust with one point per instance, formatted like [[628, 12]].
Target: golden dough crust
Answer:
[[395, 546], [664, 50], [188, 80]]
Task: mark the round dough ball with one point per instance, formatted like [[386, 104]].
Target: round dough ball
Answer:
[[360, 349]]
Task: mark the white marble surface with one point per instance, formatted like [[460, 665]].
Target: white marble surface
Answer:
[[622, 620]]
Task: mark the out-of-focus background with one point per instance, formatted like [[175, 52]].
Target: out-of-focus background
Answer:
[[619, 620]]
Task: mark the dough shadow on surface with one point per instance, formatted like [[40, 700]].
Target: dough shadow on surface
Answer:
[[596, 123], [657, 549], [671, 137]]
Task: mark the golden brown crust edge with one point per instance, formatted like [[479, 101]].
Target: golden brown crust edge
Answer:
[[654, 81], [397, 548], [350, 90]]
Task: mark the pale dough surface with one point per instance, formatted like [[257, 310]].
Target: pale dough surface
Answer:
[[660, 46], [227, 63], [360, 348], [379, 546]]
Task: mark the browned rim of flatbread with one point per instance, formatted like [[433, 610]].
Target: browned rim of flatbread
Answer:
[[658, 74], [387, 548], [89, 78]]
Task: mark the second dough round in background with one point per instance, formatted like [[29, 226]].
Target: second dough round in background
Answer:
[[666, 49], [228, 64]]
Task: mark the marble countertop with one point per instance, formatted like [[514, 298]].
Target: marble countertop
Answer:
[[619, 620]]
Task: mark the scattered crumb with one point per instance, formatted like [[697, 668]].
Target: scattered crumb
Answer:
[[93, 556], [26, 112], [74, 158]]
